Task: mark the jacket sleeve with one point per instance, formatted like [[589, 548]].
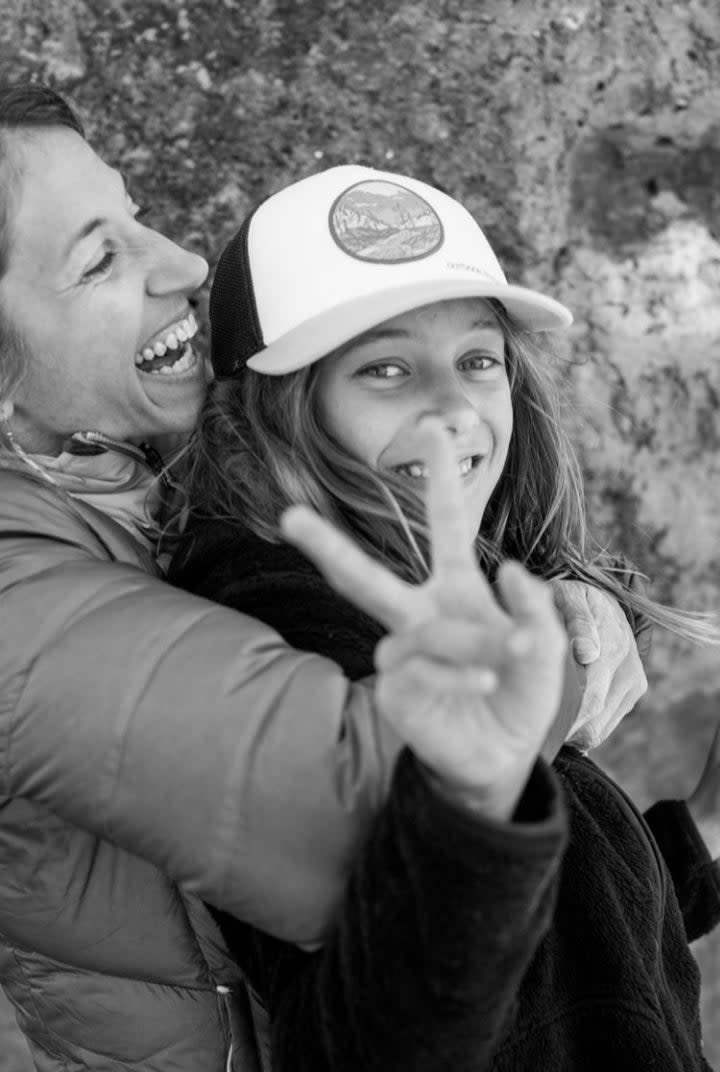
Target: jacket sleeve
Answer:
[[280, 587], [442, 916], [182, 731], [695, 876]]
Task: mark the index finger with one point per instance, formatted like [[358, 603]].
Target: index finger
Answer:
[[447, 516]]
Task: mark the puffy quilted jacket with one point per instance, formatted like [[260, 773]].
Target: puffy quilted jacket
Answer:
[[153, 755]]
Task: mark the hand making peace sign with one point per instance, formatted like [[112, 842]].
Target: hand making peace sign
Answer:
[[470, 685]]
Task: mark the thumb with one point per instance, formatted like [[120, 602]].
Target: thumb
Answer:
[[584, 641]]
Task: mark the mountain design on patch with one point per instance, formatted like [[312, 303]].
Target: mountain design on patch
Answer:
[[384, 222]]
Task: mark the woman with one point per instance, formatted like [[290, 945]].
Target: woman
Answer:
[[144, 730]]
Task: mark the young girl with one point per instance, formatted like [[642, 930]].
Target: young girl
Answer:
[[373, 363]]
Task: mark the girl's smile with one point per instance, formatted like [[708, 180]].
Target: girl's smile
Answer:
[[447, 360]]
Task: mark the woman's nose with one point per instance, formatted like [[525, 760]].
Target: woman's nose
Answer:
[[174, 270]]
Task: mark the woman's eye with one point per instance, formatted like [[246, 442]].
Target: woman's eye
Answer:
[[102, 266]]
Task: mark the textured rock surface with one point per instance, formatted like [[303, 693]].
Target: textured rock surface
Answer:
[[584, 135]]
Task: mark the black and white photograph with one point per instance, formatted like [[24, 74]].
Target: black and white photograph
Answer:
[[359, 536]]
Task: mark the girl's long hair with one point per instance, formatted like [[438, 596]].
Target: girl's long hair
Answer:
[[260, 447]]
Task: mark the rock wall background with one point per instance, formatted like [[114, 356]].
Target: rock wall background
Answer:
[[585, 136]]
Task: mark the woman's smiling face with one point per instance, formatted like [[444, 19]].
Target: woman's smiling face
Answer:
[[98, 300], [447, 360]]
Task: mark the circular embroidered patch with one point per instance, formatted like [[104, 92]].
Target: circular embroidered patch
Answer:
[[384, 222]]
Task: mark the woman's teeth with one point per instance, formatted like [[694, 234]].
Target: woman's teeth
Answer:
[[185, 362], [170, 353]]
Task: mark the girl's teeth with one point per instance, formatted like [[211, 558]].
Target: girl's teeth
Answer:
[[415, 469], [147, 354], [182, 333], [172, 341], [160, 349]]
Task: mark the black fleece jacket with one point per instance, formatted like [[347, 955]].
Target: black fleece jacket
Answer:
[[465, 944]]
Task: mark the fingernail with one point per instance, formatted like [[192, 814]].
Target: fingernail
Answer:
[[585, 651]]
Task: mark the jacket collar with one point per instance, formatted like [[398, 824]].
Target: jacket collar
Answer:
[[119, 479]]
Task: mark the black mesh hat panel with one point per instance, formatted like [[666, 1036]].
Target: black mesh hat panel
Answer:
[[235, 332]]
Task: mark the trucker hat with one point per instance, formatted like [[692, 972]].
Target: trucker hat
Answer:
[[342, 251]]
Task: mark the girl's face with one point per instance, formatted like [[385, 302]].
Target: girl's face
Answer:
[[445, 360]]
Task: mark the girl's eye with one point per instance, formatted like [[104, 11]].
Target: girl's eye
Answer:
[[102, 266], [479, 362], [382, 370]]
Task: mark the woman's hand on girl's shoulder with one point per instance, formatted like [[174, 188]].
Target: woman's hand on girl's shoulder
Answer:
[[470, 685], [607, 658]]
